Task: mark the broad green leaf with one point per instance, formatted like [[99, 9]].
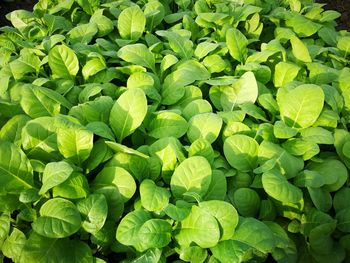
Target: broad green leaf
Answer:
[[290, 164], [204, 48], [242, 91], [305, 107], [114, 201], [94, 212], [241, 151], [129, 227], [155, 233], [39, 139], [193, 254], [300, 50], [343, 218], [192, 175], [201, 147], [199, 227], [230, 251], [103, 23], [343, 44], [128, 113], [36, 103], [58, 218], [225, 214], [4, 228], [74, 142], [185, 74], [178, 43], [247, 202], [303, 26], [285, 72], [118, 177], [39, 249], [101, 129], [16, 170], [167, 124], [89, 6], [153, 198], [340, 200], [63, 62], [138, 54], [131, 23], [334, 173], [54, 174], [13, 245], [255, 233], [196, 107], [92, 67], [278, 187], [83, 33], [75, 187], [215, 63], [211, 121], [237, 44], [12, 130], [218, 186]]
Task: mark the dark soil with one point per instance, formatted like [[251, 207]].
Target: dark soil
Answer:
[[6, 6], [342, 6]]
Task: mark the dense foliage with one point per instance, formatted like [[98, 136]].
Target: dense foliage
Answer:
[[174, 130]]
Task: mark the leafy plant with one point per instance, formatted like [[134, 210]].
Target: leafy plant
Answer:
[[174, 131]]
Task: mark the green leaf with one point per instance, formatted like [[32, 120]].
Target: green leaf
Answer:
[[92, 67], [4, 228], [285, 72], [131, 23], [129, 227], [240, 92], [94, 211], [39, 249], [204, 48], [247, 202], [241, 151], [12, 130], [54, 174], [75, 187], [167, 124], [36, 103], [155, 233], [230, 251], [118, 177], [278, 187], [103, 23], [225, 214], [186, 73], [13, 245], [211, 121], [255, 233], [237, 44], [58, 218], [74, 142], [16, 170], [343, 218], [83, 33], [192, 175], [304, 109], [63, 62], [300, 50], [138, 54], [153, 197], [199, 227], [128, 113], [178, 43]]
